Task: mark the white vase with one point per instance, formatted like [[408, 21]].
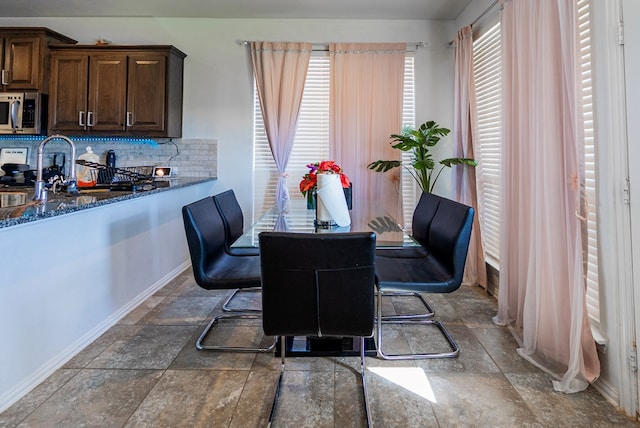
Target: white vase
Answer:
[[331, 206]]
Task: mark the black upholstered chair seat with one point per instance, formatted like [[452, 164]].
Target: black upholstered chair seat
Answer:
[[426, 274], [229, 272], [403, 253]]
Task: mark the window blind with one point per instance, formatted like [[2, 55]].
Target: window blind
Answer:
[[409, 185], [584, 27], [311, 143], [487, 70]]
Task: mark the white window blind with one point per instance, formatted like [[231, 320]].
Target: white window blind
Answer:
[[584, 25], [487, 70], [409, 185], [311, 142]]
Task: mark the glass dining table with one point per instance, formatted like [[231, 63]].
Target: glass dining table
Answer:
[[365, 217]]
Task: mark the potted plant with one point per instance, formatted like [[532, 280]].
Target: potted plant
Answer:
[[419, 141]]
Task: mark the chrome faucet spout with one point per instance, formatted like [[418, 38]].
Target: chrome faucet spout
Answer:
[[70, 181]]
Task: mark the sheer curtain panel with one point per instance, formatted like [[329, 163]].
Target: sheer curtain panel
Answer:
[[542, 283], [366, 108], [280, 70], [465, 118]]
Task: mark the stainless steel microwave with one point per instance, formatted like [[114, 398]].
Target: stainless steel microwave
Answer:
[[23, 113]]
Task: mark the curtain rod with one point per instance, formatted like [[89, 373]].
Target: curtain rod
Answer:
[[324, 47], [487, 10], [482, 15]]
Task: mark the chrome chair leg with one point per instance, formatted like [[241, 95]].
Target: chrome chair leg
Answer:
[[225, 305], [365, 393], [455, 350], [201, 347], [283, 345], [429, 314], [367, 407]]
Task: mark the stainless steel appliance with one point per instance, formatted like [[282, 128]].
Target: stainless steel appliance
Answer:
[[23, 113]]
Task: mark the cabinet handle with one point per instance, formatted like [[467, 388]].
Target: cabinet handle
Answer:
[[90, 118], [129, 119], [81, 118], [4, 78], [15, 115]]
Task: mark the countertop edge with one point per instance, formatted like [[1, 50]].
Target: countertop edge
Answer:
[[119, 197]]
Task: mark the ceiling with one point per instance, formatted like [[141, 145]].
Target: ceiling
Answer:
[[299, 9]]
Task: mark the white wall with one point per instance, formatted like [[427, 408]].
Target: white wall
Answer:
[[631, 16], [218, 97], [67, 279]]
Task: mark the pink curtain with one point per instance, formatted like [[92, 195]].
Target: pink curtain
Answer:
[[365, 109], [542, 285], [465, 121], [280, 70]]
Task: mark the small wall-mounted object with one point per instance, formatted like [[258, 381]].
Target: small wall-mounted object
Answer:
[[160, 172]]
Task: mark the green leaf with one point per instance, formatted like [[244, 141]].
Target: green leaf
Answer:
[[423, 164], [384, 165], [458, 161]]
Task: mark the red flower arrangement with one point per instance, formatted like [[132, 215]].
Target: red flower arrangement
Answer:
[[310, 179]]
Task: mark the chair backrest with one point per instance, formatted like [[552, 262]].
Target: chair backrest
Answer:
[[449, 235], [231, 213], [422, 216], [205, 235], [317, 284]]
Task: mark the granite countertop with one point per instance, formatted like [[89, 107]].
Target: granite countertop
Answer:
[[60, 203]]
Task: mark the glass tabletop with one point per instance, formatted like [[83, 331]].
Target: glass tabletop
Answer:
[[365, 217]]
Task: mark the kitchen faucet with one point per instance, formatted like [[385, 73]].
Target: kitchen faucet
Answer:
[[70, 182]]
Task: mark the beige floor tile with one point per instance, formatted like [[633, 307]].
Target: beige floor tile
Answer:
[[191, 398], [470, 400], [146, 372], [152, 347], [552, 408], [95, 398]]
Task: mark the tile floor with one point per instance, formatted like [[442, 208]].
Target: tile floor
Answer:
[[146, 372]]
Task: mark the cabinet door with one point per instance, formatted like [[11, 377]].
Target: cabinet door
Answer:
[[68, 97], [107, 92], [21, 63], [146, 93]]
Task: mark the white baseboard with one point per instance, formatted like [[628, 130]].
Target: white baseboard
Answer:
[[607, 391], [11, 396]]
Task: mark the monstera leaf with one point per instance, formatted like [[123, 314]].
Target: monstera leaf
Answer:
[[423, 165]]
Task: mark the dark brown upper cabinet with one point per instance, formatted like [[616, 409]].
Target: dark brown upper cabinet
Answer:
[[116, 90], [24, 56]]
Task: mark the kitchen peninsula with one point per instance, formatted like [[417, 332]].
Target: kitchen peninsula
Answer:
[[62, 203], [69, 274]]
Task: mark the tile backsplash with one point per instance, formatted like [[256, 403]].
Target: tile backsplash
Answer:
[[187, 157]]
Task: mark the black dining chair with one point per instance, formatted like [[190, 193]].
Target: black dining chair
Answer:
[[215, 269], [421, 221], [233, 220], [440, 271], [318, 285]]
